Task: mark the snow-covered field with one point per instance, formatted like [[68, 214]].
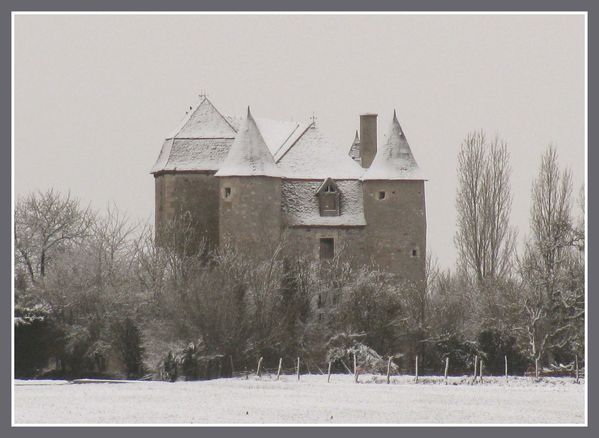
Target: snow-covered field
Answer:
[[312, 400]]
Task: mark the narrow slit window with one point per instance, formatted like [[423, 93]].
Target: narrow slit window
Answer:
[[327, 248], [227, 192], [415, 252]]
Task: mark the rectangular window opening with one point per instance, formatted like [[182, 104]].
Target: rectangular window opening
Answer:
[[327, 248], [415, 252], [227, 192], [381, 195]]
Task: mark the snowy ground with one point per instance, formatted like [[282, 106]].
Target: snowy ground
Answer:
[[312, 400]]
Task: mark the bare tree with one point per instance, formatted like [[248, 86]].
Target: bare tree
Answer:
[[553, 266], [550, 218], [484, 239], [44, 223]]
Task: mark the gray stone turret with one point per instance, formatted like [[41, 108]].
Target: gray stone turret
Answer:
[[250, 191], [393, 190]]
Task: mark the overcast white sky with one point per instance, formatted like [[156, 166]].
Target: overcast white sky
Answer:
[[95, 95]]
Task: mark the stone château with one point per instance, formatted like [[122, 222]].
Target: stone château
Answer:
[[250, 182]]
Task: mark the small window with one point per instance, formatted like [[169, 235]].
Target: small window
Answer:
[[328, 198], [227, 192], [415, 252], [327, 248], [329, 205], [381, 195]]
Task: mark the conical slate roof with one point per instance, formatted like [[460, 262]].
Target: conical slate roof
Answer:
[[394, 161], [249, 154], [354, 150]]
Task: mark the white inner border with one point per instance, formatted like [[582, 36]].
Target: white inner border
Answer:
[[586, 186]]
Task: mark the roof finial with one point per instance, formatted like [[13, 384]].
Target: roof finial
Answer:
[[203, 94], [313, 118], [394, 114]]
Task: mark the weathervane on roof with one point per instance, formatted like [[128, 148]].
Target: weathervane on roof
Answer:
[[203, 94]]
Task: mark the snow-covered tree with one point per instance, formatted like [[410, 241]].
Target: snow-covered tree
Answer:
[[552, 267]]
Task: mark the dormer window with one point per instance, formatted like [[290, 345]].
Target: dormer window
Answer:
[[328, 198]]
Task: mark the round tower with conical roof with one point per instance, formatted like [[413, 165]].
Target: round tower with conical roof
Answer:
[[394, 207], [250, 191]]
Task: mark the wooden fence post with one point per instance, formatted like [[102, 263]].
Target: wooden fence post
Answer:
[[259, 365], [506, 377], [298, 368], [279, 369], [475, 368], [576, 361], [446, 368], [232, 369], [416, 368], [329, 376], [481, 371], [355, 368], [537, 368], [389, 370]]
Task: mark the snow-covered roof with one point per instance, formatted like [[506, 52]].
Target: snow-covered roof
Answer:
[[354, 150], [203, 138], [328, 182], [205, 154], [394, 161], [249, 155], [315, 157], [204, 121], [279, 135], [301, 207]]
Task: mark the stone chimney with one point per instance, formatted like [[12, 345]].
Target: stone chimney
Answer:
[[367, 138]]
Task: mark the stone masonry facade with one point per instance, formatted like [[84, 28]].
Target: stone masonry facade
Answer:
[[254, 183]]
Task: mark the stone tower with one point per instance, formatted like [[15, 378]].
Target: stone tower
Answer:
[[185, 186], [394, 206], [250, 192]]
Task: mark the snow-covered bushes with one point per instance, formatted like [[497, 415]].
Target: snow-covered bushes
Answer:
[[191, 363], [343, 346]]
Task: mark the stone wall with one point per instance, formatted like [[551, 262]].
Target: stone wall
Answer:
[[305, 241], [250, 219], [250, 214], [193, 192], [396, 230]]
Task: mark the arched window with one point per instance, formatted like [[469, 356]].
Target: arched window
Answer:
[[328, 198]]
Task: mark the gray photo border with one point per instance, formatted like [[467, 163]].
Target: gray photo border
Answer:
[[265, 5]]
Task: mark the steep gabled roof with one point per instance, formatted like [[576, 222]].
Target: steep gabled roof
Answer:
[[249, 155], [313, 156], [204, 121], [200, 142], [394, 161], [327, 182]]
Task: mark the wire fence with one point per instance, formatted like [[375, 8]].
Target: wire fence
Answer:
[[418, 374]]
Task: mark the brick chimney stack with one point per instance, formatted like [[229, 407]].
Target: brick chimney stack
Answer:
[[367, 138]]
